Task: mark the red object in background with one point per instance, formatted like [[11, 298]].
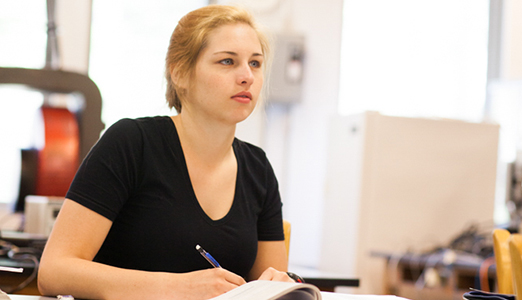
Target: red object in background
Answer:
[[58, 161]]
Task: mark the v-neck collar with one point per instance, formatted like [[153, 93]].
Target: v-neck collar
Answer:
[[176, 146]]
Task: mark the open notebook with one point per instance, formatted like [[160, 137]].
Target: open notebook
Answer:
[[273, 290]]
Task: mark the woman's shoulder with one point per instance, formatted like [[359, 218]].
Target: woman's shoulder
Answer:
[[140, 124], [246, 146], [135, 130], [249, 151], [143, 121]]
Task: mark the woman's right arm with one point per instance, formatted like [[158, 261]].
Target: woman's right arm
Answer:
[[66, 266]]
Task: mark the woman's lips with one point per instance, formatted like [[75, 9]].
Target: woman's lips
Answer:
[[243, 97]]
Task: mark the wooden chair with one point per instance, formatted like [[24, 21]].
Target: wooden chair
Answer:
[[501, 249], [515, 249], [287, 227]]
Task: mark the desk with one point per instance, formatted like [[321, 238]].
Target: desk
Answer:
[[9, 280], [26, 240], [323, 280]]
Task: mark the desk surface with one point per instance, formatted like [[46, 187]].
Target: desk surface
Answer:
[[325, 281]]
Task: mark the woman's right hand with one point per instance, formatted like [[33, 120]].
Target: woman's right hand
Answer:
[[204, 284]]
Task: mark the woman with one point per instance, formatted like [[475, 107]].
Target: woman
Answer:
[[152, 189]]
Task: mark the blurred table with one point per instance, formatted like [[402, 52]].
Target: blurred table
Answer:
[[441, 275], [325, 281]]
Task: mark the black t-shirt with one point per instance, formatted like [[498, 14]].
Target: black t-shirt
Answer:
[[136, 176]]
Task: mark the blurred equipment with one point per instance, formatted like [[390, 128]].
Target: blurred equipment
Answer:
[[286, 74], [514, 194], [41, 213], [70, 129], [447, 271]]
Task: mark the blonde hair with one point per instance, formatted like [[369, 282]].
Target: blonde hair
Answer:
[[190, 37]]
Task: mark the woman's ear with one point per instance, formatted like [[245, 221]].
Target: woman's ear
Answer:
[[179, 80]]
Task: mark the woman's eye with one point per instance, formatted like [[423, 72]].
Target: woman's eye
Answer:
[[227, 61], [255, 64]]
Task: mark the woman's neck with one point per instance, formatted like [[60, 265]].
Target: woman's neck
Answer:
[[204, 140]]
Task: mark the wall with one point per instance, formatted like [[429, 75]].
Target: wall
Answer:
[[73, 18], [511, 43]]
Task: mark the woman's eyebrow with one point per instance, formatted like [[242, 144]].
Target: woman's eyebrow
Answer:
[[234, 53], [226, 52]]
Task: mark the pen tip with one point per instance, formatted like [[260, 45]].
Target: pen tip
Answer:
[[198, 247]]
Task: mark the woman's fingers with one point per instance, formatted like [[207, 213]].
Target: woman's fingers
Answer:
[[272, 274]]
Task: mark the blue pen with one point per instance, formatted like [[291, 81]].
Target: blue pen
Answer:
[[208, 257]]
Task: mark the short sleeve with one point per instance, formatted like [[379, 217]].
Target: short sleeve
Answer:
[[270, 221], [110, 172]]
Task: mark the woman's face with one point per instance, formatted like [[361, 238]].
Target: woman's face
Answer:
[[228, 75]]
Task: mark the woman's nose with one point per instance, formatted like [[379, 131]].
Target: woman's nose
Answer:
[[245, 75]]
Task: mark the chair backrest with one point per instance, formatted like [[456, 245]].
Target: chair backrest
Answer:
[[503, 261], [515, 249], [287, 227]]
